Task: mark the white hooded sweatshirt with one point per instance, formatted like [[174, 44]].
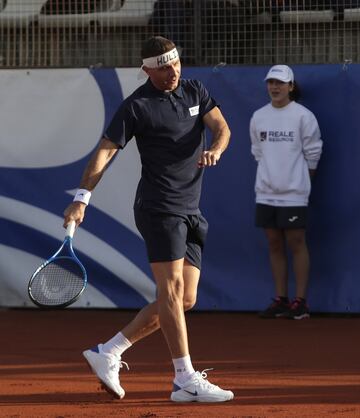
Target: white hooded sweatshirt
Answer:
[[286, 143]]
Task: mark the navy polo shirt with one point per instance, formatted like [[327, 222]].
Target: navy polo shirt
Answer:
[[170, 136]]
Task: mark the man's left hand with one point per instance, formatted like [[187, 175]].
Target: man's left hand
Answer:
[[209, 158]]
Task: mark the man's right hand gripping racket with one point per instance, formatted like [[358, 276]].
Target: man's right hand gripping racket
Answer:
[[60, 280]]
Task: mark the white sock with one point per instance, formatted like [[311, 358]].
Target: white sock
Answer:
[[116, 345], [183, 369]]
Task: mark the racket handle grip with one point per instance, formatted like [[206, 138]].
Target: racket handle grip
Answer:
[[70, 229]]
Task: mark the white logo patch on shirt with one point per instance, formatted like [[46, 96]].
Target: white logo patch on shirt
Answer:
[[194, 110]]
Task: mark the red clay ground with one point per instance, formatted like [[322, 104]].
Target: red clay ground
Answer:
[[276, 368]]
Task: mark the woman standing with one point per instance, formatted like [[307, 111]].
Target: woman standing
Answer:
[[286, 143]]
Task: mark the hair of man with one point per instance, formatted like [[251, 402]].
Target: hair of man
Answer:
[[156, 45]]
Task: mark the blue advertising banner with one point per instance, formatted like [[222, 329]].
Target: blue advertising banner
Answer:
[[53, 119]]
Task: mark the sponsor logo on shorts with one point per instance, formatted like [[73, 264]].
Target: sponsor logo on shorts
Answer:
[[293, 218]]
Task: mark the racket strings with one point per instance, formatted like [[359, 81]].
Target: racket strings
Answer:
[[58, 282]]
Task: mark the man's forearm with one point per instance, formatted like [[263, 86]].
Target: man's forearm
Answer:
[[92, 175], [220, 140], [97, 165]]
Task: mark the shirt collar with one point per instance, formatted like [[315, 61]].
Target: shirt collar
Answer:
[[156, 92]]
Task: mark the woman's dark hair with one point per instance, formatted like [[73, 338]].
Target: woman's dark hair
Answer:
[[157, 45], [295, 94]]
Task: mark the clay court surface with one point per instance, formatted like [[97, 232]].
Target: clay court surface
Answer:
[[276, 368]]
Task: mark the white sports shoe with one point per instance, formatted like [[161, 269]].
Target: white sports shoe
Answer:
[[106, 367], [198, 389]]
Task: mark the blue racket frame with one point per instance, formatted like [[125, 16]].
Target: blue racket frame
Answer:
[[65, 246]]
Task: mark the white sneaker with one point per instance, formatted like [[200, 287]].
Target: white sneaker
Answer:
[[106, 367], [198, 389]]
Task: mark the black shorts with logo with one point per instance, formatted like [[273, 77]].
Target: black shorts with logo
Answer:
[[281, 217], [170, 236]]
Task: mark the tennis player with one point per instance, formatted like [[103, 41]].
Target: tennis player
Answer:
[[167, 116], [286, 143]]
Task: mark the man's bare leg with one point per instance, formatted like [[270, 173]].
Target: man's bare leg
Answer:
[[170, 291], [147, 320]]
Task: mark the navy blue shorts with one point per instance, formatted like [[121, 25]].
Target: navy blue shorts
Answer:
[[281, 217], [170, 237]]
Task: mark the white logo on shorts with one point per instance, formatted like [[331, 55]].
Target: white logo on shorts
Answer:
[[293, 218]]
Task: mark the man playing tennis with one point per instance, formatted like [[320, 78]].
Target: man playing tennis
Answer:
[[167, 115]]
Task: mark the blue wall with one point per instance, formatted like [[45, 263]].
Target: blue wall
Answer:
[[236, 273]]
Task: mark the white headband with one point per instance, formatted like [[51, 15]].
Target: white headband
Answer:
[[161, 60]]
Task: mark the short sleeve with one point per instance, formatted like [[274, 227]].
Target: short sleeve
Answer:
[[207, 103], [121, 128]]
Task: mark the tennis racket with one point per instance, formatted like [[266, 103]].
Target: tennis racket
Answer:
[[60, 280]]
